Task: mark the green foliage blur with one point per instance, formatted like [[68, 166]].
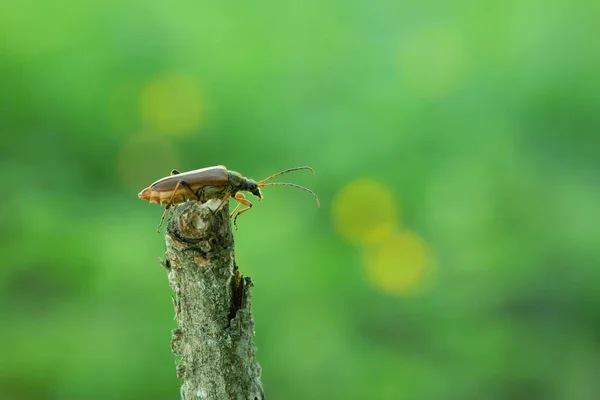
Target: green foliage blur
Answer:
[[471, 129]]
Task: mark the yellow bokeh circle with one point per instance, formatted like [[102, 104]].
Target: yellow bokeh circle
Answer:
[[364, 211], [172, 104], [401, 264]]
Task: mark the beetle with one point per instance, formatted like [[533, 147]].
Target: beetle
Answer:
[[212, 183]]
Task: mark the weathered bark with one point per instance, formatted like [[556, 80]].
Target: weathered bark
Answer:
[[212, 307]]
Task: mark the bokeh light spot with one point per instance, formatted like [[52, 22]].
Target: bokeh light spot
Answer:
[[173, 104], [145, 159], [399, 265], [432, 62], [364, 211]]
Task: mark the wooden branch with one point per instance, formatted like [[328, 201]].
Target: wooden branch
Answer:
[[212, 306]]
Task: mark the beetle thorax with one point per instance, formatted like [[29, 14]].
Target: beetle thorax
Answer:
[[238, 183], [236, 180]]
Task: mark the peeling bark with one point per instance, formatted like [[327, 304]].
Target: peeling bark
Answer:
[[212, 306]]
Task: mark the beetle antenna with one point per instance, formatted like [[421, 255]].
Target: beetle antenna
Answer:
[[285, 172], [260, 184]]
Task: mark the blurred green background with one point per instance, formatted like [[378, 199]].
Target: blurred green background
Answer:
[[456, 148]]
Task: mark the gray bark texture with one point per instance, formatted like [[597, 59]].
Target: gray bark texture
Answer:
[[212, 306]]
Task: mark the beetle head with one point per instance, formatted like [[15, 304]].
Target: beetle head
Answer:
[[253, 188]]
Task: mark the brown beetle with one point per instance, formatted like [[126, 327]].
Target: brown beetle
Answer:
[[211, 183]]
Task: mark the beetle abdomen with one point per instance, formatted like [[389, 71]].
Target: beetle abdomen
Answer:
[[163, 196]]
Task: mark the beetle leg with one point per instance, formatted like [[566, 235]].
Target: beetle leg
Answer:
[[187, 187], [239, 197], [227, 196], [169, 203], [162, 219], [234, 216], [234, 213], [235, 210], [174, 172], [182, 184]]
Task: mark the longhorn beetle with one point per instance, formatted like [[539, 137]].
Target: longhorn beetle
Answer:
[[211, 183]]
